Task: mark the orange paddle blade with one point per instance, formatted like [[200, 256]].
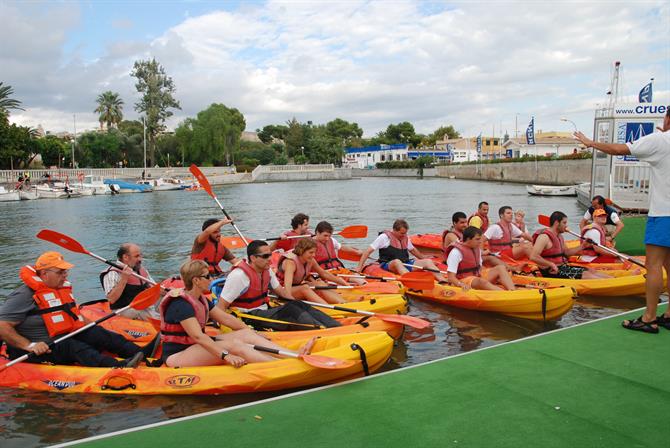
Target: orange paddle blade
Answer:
[[326, 362], [202, 179], [232, 242], [348, 255], [380, 288], [146, 298], [403, 319], [353, 232], [544, 220], [418, 280], [62, 240]]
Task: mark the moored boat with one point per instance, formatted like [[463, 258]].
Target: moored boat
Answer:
[[95, 183], [551, 190], [28, 195], [128, 187], [9, 195]]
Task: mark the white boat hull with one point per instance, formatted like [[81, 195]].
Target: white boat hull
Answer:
[[27, 195], [551, 190], [10, 196]]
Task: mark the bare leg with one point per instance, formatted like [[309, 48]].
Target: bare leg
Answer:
[[591, 274], [521, 250], [430, 265], [500, 275], [397, 267], [197, 355], [304, 292], [482, 283]]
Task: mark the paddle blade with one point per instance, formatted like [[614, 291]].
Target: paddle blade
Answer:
[[348, 255], [544, 220], [202, 179], [232, 242], [326, 362], [410, 321], [146, 298], [61, 240], [379, 288], [418, 280], [354, 232]]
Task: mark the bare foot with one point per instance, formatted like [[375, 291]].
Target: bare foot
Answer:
[[307, 348], [636, 271]]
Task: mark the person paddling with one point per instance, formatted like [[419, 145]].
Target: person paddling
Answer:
[[43, 309], [596, 232], [299, 226], [464, 265], [551, 255], [247, 287], [184, 314], [394, 248], [480, 218], [207, 246], [293, 271], [503, 237]]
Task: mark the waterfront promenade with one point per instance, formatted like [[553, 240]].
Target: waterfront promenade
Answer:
[[593, 385]]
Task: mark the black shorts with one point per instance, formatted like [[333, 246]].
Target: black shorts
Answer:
[[565, 271]]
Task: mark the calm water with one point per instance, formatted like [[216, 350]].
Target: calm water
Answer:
[[165, 224]]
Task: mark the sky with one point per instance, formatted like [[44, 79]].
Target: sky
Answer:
[[480, 66]]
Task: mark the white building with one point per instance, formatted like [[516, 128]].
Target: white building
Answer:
[[546, 144], [369, 156]]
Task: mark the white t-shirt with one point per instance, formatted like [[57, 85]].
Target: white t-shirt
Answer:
[[336, 244], [593, 235], [655, 150], [237, 284], [112, 278], [383, 241], [613, 216], [494, 232], [454, 259]]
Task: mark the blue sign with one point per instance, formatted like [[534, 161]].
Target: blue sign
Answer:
[[635, 131], [509, 153], [479, 144]]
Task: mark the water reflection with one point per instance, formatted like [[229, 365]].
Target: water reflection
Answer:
[[165, 224]]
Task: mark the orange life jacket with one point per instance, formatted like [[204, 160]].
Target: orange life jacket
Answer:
[[301, 270], [257, 294], [503, 243], [556, 254], [589, 249], [470, 264], [175, 333], [445, 249], [212, 253], [397, 250], [326, 255], [484, 218], [56, 306]]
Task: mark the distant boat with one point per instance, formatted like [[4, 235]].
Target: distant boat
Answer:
[[46, 191], [96, 183], [27, 195], [163, 183], [6, 196], [551, 190], [128, 187]]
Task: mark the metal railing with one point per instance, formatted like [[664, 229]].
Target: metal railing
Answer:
[[630, 185], [268, 169]]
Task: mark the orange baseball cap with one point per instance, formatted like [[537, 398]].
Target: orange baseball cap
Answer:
[[50, 260], [599, 212]]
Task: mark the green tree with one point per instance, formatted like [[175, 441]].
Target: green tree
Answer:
[[271, 132], [295, 138], [100, 150], [7, 103], [169, 152], [157, 91], [18, 145], [110, 109], [52, 149], [440, 134]]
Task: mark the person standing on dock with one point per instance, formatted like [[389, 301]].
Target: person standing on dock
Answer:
[[655, 150], [207, 246], [480, 218], [121, 286], [613, 225]]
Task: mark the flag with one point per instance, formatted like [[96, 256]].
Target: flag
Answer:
[[646, 93], [530, 132]]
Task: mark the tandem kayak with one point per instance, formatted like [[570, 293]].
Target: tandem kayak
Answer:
[[288, 373], [622, 284]]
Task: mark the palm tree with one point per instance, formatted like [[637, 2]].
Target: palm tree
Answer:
[[110, 108], [7, 103]]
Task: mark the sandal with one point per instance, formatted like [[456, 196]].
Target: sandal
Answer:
[[663, 321], [640, 325]]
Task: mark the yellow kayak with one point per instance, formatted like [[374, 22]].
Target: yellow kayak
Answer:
[[622, 284], [287, 373]]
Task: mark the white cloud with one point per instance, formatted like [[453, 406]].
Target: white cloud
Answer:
[[472, 65]]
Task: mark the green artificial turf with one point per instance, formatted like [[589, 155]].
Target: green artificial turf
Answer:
[[595, 385]]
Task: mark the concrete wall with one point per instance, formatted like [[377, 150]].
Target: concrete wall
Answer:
[[404, 172], [292, 176], [558, 172]]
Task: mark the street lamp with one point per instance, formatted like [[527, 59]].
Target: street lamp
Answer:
[[571, 122]]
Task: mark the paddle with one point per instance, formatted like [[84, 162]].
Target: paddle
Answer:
[[348, 255], [73, 245], [349, 232], [545, 221], [232, 242], [204, 183], [320, 361], [410, 321], [142, 301]]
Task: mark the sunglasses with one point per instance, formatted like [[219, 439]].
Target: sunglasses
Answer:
[[207, 276], [264, 256]]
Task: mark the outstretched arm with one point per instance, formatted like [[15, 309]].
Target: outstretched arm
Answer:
[[615, 149]]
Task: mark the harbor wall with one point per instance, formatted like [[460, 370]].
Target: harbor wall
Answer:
[[401, 172], [554, 172]]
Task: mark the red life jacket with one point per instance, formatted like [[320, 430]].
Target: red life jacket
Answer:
[[470, 264], [556, 254], [257, 294], [134, 286], [590, 249], [212, 253], [289, 244], [503, 243], [56, 306], [175, 332], [484, 218], [326, 255], [301, 270], [458, 234], [397, 250]]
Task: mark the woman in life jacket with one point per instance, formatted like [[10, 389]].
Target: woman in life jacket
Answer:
[[294, 269], [184, 314], [327, 249]]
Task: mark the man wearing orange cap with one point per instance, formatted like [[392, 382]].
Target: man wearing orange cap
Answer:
[[43, 309], [596, 232]]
